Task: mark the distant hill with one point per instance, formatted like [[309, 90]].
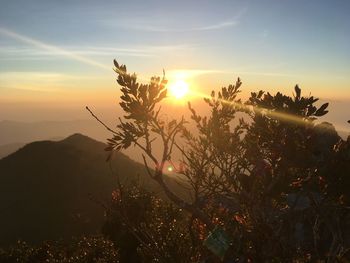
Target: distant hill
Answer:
[[13, 132], [9, 148], [46, 188], [25, 132]]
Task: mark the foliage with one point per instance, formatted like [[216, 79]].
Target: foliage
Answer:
[[146, 228], [275, 181], [85, 249]]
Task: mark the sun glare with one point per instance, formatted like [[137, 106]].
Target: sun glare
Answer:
[[178, 89]]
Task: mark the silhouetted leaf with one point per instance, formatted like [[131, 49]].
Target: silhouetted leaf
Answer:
[[322, 110], [297, 91]]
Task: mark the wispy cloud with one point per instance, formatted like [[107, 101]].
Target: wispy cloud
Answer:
[[155, 28], [6, 89], [35, 53], [12, 74], [217, 26], [51, 48], [42, 81], [267, 74], [191, 73], [37, 49], [45, 76], [174, 23]]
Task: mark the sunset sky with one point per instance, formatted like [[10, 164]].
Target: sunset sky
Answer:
[[56, 56]]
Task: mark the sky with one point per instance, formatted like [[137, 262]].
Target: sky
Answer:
[[57, 56]]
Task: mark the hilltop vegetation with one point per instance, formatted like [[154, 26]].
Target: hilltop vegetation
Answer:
[[274, 187]]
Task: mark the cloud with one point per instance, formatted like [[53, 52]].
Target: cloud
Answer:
[[191, 73], [267, 74], [142, 26], [217, 26], [42, 81], [175, 23], [45, 76], [51, 48], [25, 53], [34, 53], [36, 49], [28, 89]]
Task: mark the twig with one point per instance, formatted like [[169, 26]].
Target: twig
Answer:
[[93, 115]]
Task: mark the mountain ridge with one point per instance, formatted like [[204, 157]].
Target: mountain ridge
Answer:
[[47, 187]]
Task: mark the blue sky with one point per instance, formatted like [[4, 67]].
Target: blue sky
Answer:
[[271, 45]]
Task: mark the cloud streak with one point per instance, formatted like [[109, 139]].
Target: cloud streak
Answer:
[[44, 81], [190, 73], [51, 48], [155, 28], [164, 24], [38, 53], [35, 53], [217, 26], [147, 26]]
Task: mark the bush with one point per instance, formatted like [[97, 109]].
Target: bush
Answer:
[[275, 184], [85, 249]]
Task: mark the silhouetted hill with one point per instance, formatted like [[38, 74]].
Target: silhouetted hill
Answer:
[[46, 188], [26, 132], [9, 148]]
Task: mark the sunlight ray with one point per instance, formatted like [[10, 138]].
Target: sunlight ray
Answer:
[[282, 116]]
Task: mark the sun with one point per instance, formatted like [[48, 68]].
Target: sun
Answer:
[[178, 89]]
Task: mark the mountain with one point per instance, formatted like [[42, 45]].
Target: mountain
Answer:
[[14, 131], [9, 148], [53, 189]]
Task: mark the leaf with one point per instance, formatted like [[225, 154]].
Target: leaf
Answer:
[[297, 91], [172, 123], [109, 148], [161, 96], [261, 92], [116, 63], [322, 110]]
